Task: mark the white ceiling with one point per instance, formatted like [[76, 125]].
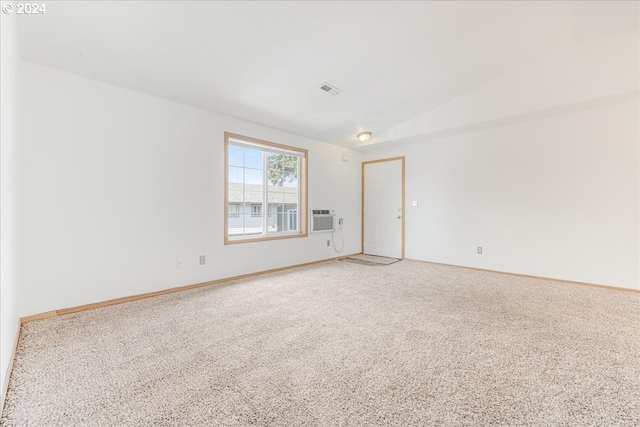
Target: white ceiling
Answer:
[[265, 61]]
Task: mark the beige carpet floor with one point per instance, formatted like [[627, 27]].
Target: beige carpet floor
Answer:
[[340, 344]]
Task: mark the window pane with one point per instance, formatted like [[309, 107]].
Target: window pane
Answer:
[[275, 196], [253, 196], [291, 172], [252, 224], [253, 176], [236, 224], [282, 169], [274, 178], [278, 224], [252, 159], [272, 218], [290, 195], [235, 193], [292, 184], [256, 210], [292, 219], [236, 155], [236, 175]]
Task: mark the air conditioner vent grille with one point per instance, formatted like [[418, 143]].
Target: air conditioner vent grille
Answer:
[[322, 221]]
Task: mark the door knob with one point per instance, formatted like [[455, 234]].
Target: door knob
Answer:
[[399, 216]]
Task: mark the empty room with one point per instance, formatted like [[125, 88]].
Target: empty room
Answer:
[[319, 213]]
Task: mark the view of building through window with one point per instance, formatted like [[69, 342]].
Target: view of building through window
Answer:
[[264, 189]]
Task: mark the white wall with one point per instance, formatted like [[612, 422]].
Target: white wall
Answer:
[[116, 185], [10, 76], [557, 197]]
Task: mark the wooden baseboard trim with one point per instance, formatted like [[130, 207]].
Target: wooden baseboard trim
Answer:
[[569, 282], [84, 307], [5, 385], [38, 316]]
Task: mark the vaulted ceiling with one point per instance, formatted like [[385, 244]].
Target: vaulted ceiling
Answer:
[[265, 61]]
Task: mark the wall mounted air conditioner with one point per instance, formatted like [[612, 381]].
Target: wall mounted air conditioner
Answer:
[[322, 220]]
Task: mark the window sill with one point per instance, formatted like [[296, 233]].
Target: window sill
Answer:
[[235, 240]]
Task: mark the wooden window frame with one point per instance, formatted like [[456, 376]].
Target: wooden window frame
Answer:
[[303, 183]]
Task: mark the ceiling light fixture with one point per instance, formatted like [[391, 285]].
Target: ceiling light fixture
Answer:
[[364, 136]]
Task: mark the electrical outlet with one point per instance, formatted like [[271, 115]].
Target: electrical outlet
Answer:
[[328, 242], [202, 260], [479, 250], [178, 263], [340, 221]]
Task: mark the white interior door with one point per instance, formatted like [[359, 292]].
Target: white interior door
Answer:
[[383, 208]]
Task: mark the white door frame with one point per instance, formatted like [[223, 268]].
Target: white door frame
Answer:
[[390, 159]]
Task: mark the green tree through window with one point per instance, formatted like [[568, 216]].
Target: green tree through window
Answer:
[[282, 168]]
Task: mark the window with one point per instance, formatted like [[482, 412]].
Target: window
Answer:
[[265, 188], [293, 219]]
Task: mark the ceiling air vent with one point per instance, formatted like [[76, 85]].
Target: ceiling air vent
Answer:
[[330, 88]]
